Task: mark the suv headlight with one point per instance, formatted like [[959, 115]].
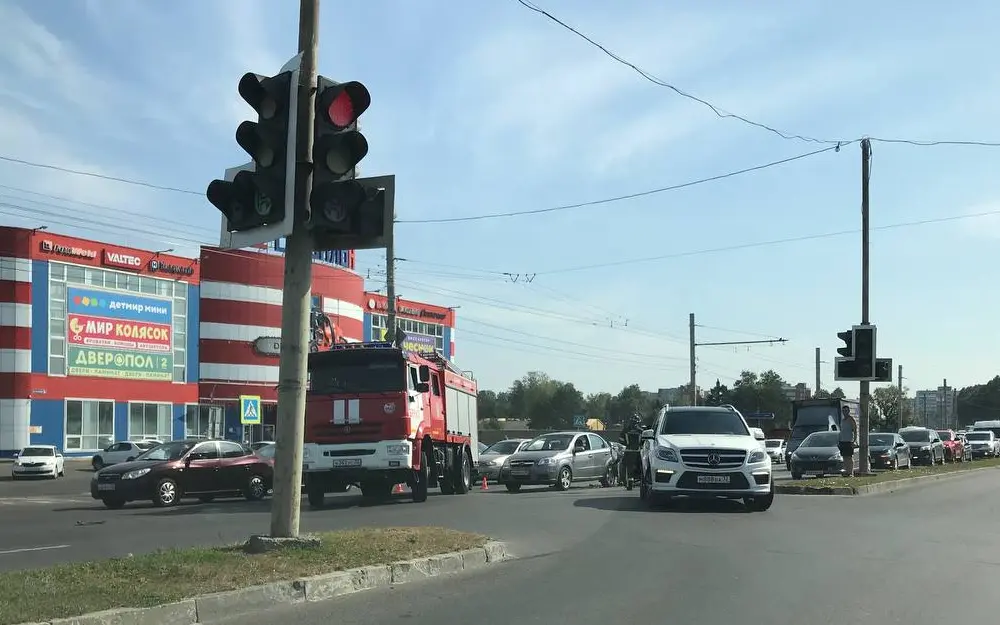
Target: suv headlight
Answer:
[[397, 450], [666, 454], [131, 475], [545, 461], [756, 456]]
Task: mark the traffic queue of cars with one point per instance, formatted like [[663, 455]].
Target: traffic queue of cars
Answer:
[[819, 454]]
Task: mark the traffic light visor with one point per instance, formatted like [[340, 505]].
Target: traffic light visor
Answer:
[[253, 92]]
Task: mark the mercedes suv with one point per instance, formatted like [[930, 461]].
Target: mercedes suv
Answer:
[[705, 451]]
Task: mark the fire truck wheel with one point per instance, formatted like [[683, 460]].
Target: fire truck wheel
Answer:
[[316, 496], [421, 476], [463, 472]]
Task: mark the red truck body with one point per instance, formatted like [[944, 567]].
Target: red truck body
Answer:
[[377, 416]]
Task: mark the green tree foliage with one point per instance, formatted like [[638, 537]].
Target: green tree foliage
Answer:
[[887, 401], [979, 402]]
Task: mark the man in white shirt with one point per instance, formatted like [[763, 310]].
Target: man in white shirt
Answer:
[[848, 439]]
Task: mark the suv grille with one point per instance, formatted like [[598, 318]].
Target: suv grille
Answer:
[[699, 458], [521, 463]]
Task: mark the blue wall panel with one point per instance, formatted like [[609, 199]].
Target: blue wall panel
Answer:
[[193, 331], [366, 333], [121, 421], [178, 421], [39, 316], [447, 342], [50, 415]]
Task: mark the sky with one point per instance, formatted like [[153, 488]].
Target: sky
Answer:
[[490, 107]]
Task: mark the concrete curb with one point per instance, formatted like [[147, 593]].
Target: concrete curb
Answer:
[[879, 488], [207, 608]]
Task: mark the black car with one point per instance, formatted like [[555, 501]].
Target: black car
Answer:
[[189, 468], [888, 451], [925, 445]]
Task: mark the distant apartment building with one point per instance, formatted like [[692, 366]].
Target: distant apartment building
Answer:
[[673, 396], [936, 408], [797, 392]]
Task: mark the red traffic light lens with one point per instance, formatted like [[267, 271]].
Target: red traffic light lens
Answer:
[[341, 110]]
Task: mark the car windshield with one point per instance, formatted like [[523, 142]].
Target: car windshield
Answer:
[[146, 445], [703, 422], [977, 436], [946, 435], [821, 439], [550, 442], [880, 440], [916, 436], [167, 451], [37, 451], [267, 451], [502, 447], [772, 444]]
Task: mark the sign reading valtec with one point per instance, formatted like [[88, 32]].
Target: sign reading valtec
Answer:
[[122, 259], [72, 251], [373, 304], [267, 346]]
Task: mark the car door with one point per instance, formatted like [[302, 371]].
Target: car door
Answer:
[[583, 467], [600, 453], [115, 453], [200, 471], [235, 462]]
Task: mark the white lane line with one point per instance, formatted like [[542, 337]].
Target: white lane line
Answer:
[[27, 549]]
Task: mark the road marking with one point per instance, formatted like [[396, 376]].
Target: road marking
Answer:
[[38, 501], [27, 549]]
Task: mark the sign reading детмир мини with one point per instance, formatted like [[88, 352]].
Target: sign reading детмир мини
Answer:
[[118, 335]]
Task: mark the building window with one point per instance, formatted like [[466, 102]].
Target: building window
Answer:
[[202, 420], [411, 326], [62, 274], [90, 424], [150, 421]]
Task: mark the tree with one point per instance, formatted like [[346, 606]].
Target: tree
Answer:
[[598, 406], [565, 403], [630, 400], [838, 393], [980, 402], [822, 394], [889, 403], [529, 398], [717, 395], [492, 405]]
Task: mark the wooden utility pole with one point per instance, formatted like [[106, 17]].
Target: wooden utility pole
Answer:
[[296, 301]]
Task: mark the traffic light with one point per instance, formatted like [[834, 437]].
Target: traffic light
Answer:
[[864, 351], [883, 370], [266, 195], [355, 214], [847, 351]]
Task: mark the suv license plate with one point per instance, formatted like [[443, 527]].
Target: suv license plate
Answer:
[[519, 472], [713, 479], [347, 462], [105, 487]]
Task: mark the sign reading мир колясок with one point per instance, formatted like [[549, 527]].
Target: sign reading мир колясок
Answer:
[[118, 335]]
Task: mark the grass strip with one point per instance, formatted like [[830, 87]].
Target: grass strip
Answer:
[[170, 575], [889, 476]]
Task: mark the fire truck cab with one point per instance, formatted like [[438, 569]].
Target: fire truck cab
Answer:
[[378, 416]]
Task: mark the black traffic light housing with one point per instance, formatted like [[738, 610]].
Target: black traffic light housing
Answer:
[[354, 214], [857, 360], [847, 351], [264, 196]]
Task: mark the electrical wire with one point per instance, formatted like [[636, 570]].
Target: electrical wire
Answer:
[[90, 174]]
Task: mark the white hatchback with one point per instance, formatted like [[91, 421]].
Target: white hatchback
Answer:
[[38, 460], [122, 451]]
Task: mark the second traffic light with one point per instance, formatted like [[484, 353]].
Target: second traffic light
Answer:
[[847, 351]]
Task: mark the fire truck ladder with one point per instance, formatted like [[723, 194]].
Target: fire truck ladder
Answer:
[[438, 358]]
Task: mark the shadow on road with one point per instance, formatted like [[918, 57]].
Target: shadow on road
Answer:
[[680, 505]]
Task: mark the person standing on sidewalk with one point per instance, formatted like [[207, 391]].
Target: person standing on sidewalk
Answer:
[[848, 440]]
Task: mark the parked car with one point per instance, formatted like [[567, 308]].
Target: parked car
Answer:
[[819, 454], [557, 459], [954, 446], [888, 450], [925, 445], [189, 468], [494, 456], [982, 443], [122, 451], [775, 448], [38, 461]]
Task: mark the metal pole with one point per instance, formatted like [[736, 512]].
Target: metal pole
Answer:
[[390, 282], [899, 382], [296, 302], [817, 373], [864, 396], [694, 387]]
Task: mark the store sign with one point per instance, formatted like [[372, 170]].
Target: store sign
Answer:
[[413, 342], [118, 335], [122, 260], [158, 266], [267, 346], [402, 309], [71, 251]]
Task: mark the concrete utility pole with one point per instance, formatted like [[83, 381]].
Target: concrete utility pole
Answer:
[[296, 302], [864, 394], [694, 387], [817, 373], [899, 382], [943, 405], [390, 282]]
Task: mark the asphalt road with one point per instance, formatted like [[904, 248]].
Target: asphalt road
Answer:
[[910, 557]]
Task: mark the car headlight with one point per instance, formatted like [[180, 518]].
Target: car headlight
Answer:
[[756, 456], [137, 473], [397, 450], [925, 448], [545, 461], [666, 454]]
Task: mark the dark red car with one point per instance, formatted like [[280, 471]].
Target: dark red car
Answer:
[[203, 469], [954, 447]]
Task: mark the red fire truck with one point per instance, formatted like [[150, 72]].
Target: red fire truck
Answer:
[[378, 416]]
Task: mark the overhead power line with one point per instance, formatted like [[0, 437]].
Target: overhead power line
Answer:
[[724, 114], [91, 174]]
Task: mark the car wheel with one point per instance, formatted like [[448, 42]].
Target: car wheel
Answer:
[[113, 503], [796, 476], [513, 487], [895, 464], [760, 503], [166, 494], [256, 488], [565, 479], [97, 463]]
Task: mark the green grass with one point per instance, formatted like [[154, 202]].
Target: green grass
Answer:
[[166, 576], [888, 476]]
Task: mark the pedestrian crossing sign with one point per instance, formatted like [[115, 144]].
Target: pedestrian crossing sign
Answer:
[[250, 409]]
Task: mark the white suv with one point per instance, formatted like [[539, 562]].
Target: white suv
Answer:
[[705, 451]]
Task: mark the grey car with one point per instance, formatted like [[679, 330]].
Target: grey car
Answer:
[[493, 457], [557, 459], [818, 455]]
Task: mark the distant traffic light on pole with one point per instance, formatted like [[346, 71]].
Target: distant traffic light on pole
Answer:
[[864, 351], [847, 351], [857, 360], [264, 196]]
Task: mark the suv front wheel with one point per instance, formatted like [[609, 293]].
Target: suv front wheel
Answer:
[[760, 503]]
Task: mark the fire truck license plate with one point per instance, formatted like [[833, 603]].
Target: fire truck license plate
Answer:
[[713, 479], [347, 462]]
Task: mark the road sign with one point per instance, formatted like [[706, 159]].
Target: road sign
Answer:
[[250, 409]]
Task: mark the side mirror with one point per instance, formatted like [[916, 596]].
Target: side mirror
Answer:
[[16, 454], [424, 373], [647, 435], [758, 433], [422, 387]]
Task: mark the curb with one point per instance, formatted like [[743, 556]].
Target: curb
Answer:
[[879, 488], [206, 608]]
